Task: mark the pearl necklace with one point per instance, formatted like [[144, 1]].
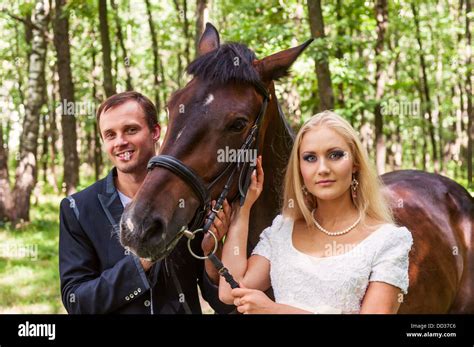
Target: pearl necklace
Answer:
[[336, 233]]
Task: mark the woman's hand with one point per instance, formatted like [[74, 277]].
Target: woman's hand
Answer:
[[252, 301], [256, 185]]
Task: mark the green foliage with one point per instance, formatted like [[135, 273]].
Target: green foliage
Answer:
[[30, 284]]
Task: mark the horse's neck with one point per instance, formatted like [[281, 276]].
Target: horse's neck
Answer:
[[276, 148]]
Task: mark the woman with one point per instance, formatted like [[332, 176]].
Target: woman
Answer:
[[334, 248]]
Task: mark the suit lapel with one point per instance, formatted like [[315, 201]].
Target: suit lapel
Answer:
[[111, 203]]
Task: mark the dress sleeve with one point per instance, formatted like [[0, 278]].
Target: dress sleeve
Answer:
[[391, 261], [264, 246]]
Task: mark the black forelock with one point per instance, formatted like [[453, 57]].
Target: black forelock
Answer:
[[231, 62]]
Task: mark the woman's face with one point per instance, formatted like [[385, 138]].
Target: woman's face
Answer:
[[326, 163]]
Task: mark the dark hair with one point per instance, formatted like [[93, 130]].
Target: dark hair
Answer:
[[147, 106], [231, 62]]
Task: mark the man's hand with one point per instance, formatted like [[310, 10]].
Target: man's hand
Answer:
[[219, 227]]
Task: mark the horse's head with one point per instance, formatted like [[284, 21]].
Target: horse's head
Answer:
[[209, 120]]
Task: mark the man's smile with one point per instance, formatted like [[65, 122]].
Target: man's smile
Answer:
[[125, 155]]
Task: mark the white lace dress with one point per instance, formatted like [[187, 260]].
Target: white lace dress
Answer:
[[334, 284]]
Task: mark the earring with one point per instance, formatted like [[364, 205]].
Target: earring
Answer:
[[304, 190], [354, 186]]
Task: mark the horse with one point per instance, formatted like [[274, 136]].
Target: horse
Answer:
[[440, 215], [218, 109]]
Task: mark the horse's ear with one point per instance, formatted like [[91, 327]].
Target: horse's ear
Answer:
[[209, 40], [277, 65]]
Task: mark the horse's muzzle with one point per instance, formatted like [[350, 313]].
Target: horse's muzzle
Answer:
[[146, 239]]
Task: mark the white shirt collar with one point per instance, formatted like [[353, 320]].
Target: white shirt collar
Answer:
[[123, 198]]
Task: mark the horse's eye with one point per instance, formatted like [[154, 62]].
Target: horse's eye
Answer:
[[238, 125]]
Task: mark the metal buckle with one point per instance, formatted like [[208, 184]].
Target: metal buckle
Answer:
[[191, 235], [217, 211]]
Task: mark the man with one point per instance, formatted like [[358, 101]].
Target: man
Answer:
[[97, 274]]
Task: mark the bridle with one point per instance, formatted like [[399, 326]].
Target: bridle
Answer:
[[203, 191]]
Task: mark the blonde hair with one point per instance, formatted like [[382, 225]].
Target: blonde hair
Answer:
[[370, 201]]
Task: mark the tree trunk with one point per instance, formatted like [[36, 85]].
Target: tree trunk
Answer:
[[396, 136], [339, 53], [97, 144], [53, 132], [44, 127], [381, 16], [398, 147], [5, 190], [66, 92], [126, 58], [326, 95], [426, 90], [202, 16], [154, 45], [19, 68], [422, 137], [25, 178], [187, 47], [469, 92], [179, 11], [98, 153], [109, 86]]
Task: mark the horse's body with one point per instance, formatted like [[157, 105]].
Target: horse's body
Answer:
[[437, 211], [440, 215]]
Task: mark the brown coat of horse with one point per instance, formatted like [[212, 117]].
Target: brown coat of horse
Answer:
[[440, 215]]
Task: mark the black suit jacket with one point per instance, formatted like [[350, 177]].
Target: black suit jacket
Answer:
[[99, 276]]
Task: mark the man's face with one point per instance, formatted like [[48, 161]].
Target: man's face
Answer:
[[128, 140]]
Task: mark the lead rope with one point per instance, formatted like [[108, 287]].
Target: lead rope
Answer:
[[221, 269]]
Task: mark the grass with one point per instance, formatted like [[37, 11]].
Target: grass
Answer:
[[29, 281]]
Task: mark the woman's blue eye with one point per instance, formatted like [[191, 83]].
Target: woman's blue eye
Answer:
[[309, 157], [336, 155]]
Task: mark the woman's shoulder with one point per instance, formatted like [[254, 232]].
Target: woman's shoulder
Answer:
[[279, 224], [273, 237], [393, 236], [396, 231]]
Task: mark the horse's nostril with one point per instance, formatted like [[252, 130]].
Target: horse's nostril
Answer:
[[154, 234]]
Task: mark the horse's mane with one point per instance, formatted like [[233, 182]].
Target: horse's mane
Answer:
[[231, 62]]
